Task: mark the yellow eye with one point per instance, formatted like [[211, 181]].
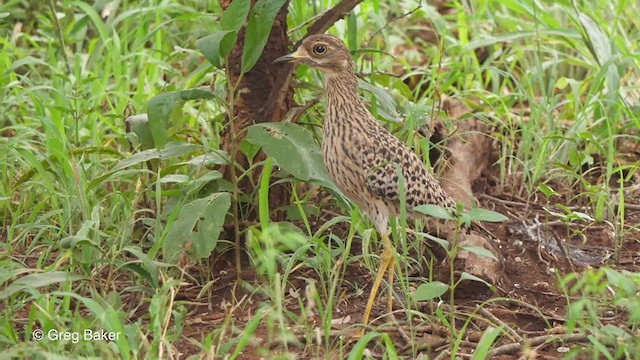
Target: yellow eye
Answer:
[[320, 49]]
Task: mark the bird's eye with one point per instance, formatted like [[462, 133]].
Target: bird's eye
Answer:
[[320, 49]]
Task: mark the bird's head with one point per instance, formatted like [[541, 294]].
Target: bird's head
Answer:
[[326, 53]]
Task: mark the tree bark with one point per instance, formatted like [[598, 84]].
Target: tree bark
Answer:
[[266, 92], [255, 101]]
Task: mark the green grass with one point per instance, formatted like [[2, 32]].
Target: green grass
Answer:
[[95, 219]]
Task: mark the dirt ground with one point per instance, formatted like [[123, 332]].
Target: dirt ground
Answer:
[[536, 252]]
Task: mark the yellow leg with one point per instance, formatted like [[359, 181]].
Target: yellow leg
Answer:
[[387, 262]]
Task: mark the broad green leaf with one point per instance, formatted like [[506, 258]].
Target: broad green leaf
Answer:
[[172, 150], [547, 190], [235, 15], [26, 61], [174, 179], [249, 149], [430, 290], [467, 276], [215, 157], [435, 211], [597, 39], [619, 333], [139, 125], [479, 214], [38, 280], [80, 237], [259, 27], [152, 269], [72, 241], [387, 106], [159, 110], [197, 227], [480, 251], [489, 335], [217, 47], [442, 242], [203, 180], [621, 281], [292, 147]]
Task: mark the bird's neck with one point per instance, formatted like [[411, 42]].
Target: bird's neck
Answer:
[[343, 102]]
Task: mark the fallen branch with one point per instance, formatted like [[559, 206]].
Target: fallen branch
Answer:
[[499, 322], [511, 349], [329, 18]]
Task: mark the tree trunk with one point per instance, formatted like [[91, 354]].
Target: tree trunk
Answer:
[[260, 98]]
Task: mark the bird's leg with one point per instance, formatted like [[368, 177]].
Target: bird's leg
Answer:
[[387, 262]]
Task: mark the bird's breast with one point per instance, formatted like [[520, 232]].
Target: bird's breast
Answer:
[[343, 161]]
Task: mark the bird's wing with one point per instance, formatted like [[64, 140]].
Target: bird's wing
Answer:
[[380, 168], [381, 178]]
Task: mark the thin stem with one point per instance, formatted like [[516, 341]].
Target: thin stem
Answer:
[[232, 88], [60, 37]]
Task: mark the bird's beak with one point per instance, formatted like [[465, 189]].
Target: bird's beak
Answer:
[[289, 57]]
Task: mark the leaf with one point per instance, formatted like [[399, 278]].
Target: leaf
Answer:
[[139, 125], [598, 43], [248, 333], [108, 318], [99, 24], [235, 15], [479, 214], [488, 337], [159, 109], [292, 147], [622, 282], [430, 290], [480, 251], [26, 61], [38, 280], [152, 274], [174, 178], [467, 276], [217, 47], [172, 150], [72, 241], [387, 105], [389, 346], [442, 242], [203, 180], [81, 237], [215, 157], [547, 190], [197, 227], [434, 211], [259, 27], [357, 352]]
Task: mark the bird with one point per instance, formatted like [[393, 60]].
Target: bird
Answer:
[[361, 156]]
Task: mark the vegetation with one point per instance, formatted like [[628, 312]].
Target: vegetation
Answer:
[[117, 215]]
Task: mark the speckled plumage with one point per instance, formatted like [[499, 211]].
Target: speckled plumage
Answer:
[[360, 154]]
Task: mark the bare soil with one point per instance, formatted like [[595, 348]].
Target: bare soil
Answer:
[[538, 252]]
